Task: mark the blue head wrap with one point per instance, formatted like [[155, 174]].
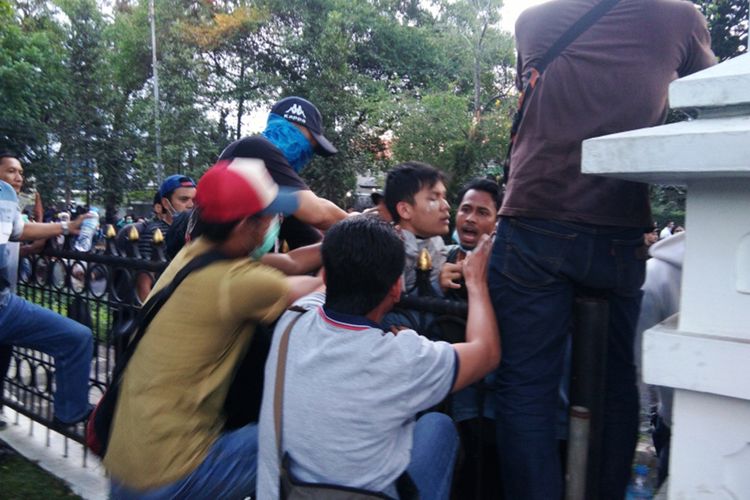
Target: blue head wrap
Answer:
[[290, 140]]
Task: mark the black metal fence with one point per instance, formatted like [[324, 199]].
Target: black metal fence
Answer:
[[97, 289], [100, 289]]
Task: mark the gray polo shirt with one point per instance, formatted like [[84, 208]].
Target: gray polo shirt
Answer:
[[350, 399]]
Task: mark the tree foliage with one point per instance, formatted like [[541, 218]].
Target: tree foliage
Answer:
[[395, 79], [728, 25]]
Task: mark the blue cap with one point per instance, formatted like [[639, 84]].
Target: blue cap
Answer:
[[173, 182]]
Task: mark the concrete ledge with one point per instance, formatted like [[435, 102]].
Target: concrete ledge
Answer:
[[725, 84], [55, 454], [696, 362], [673, 154]]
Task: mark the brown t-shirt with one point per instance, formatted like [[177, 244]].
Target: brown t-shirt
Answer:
[[612, 78]]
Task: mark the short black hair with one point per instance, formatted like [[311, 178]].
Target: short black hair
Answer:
[[363, 257], [488, 186], [407, 179], [218, 232], [8, 154]]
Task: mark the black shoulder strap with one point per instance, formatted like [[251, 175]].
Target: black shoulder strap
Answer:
[[278, 393], [532, 75], [576, 30], [152, 306]]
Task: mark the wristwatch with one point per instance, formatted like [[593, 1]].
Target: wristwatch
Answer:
[[65, 229]]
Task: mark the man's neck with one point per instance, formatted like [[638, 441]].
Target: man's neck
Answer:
[[405, 226]]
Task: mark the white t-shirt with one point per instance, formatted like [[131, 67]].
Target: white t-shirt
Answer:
[[350, 399], [11, 227]]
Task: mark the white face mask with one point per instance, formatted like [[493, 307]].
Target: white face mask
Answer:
[[269, 239], [170, 209]]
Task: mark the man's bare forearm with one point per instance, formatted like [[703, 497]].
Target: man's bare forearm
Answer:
[[318, 212], [41, 231], [301, 260], [299, 286]]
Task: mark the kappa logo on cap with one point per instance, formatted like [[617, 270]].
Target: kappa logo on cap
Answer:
[[296, 113]]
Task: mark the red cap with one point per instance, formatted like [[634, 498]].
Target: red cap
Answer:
[[234, 189]]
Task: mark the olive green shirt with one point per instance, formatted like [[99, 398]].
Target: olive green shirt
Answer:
[[170, 408]]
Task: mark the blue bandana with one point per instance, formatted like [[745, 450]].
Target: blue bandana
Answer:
[[290, 140]]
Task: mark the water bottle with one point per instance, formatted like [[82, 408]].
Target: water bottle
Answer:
[[640, 487], [88, 228]]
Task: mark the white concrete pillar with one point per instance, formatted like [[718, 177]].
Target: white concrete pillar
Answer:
[[704, 353]]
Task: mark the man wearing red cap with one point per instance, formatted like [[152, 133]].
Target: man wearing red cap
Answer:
[[293, 134], [167, 436]]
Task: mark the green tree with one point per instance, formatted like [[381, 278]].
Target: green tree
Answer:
[[728, 25], [32, 90], [84, 133], [462, 127]]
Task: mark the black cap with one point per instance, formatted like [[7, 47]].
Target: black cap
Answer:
[[299, 110]]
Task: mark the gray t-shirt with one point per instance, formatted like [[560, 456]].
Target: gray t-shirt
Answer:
[[413, 246], [350, 399], [11, 227]]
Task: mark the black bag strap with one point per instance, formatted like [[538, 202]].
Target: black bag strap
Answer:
[[532, 75], [576, 30], [154, 304], [404, 484], [278, 394]]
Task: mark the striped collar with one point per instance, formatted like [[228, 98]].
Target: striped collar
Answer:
[[347, 321]]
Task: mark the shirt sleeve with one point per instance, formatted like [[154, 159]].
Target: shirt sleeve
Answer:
[[432, 369], [254, 292], [699, 54], [17, 230]]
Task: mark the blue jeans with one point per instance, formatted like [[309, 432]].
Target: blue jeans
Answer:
[[228, 471], [433, 455], [24, 324], [537, 268]]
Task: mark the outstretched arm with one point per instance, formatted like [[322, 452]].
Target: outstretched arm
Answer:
[[480, 354], [299, 286], [301, 260], [316, 211], [43, 231]]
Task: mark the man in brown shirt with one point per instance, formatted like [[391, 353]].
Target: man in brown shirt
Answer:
[[562, 231]]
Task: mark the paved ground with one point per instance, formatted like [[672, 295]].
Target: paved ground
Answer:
[[85, 474], [62, 457]]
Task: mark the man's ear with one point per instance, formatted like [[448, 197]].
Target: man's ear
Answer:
[[395, 291], [404, 210]]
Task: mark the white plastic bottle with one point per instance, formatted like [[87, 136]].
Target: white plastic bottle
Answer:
[[86, 235]]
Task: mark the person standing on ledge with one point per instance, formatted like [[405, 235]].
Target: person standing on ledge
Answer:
[[562, 232]]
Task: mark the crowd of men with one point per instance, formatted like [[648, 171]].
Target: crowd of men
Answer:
[[349, 385]]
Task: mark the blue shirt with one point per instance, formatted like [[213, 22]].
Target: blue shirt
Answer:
[[11, 227]]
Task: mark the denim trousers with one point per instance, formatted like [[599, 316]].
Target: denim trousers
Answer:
[[228, 472], [536, 270], [24, 324], [433, 455]]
